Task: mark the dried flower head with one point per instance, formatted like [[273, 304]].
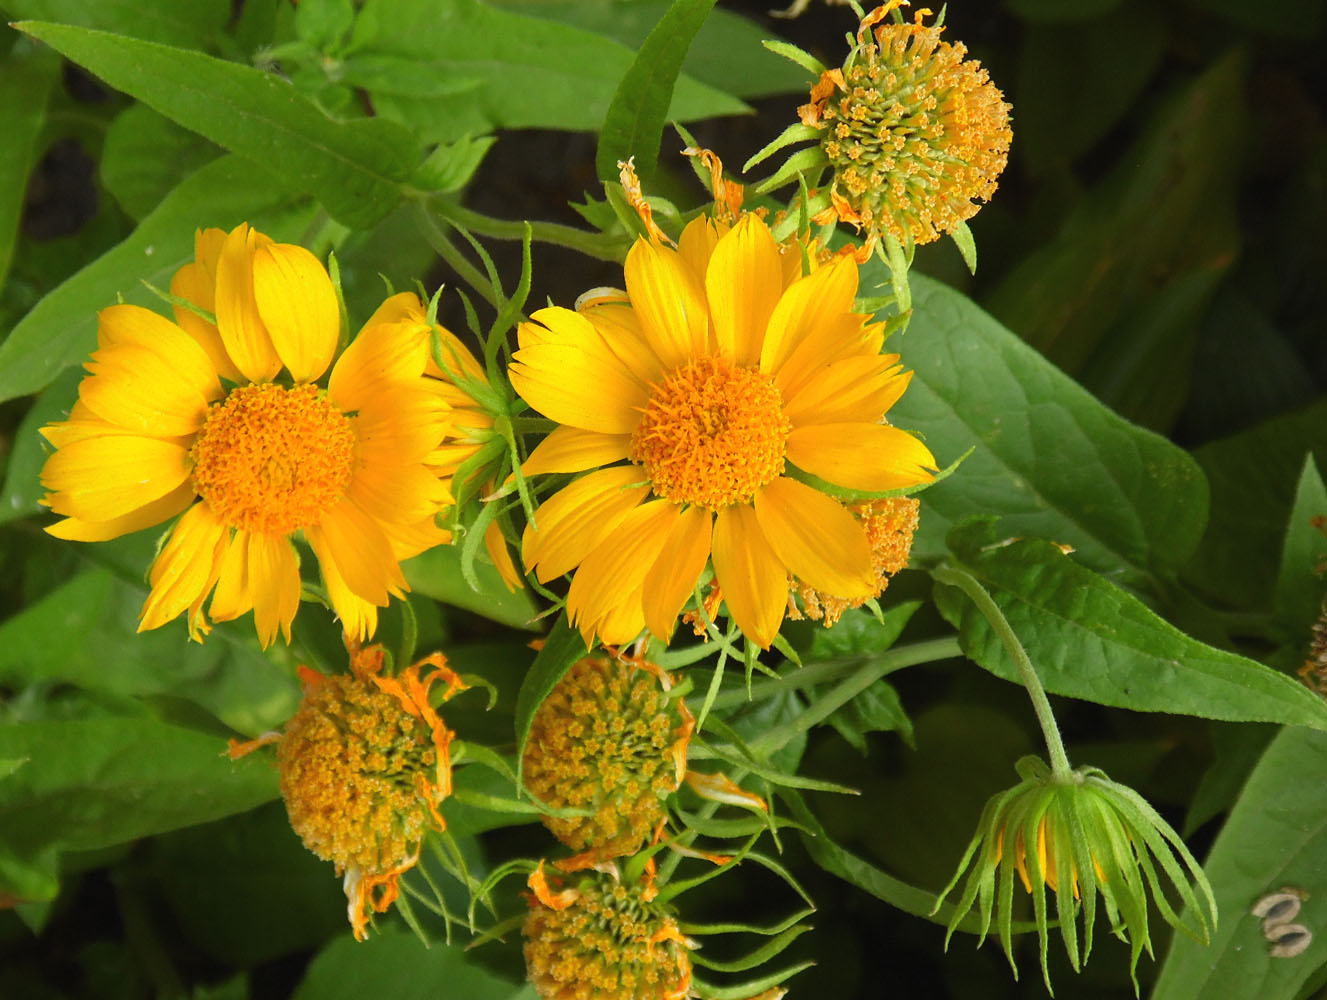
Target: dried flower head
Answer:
[[364, 764], [603, 939], [610, 737], [915, 133]]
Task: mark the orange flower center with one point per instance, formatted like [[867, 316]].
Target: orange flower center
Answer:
[[712, 433], [273, 459]]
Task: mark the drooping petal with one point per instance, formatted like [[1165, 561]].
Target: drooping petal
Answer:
[[241, 327], [361, 551], [78, 530], [673, 576], [570, 449], [186, 569], [809, 304], [298, 306], [669, 301], [868, 457], [753, 579], [234, 593], [198, 285], [816, 538], [274, 585], [98, 479], [496, 546], [859, 388], [616, 568], [576, 519], [743, 283], [696, 244], [359, 618]]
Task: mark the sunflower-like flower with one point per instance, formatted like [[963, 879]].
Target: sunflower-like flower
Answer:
[[603, 938], [692, 395], [220, 417], [1080, 836], [364, 764], [611, 737]]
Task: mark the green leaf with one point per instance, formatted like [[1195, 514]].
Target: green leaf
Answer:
[[61, 330], [192, 25], [1274, 838], [1089, 639], [635, 120], [532, 73], [355, 168], [437, 574], [1050, 460], [25, 86], [1300, 585], [394, 964], [98, 782], [146, 155], [563, 647]]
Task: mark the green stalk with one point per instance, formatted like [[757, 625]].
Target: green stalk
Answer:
[[597, 245]]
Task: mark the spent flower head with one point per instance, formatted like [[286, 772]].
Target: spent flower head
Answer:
[[1081, 837]]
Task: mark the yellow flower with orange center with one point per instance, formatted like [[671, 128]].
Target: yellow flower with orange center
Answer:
[[691, 396], [602, 939], [611, 739], [364, 764], [228, 424], [915, 133]]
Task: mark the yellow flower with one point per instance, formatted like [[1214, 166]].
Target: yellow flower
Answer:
[[364, 764], [690, 396], [226, 424], [915, 133]]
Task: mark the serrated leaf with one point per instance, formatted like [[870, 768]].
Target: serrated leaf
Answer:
[[25, 87], [355, 168], [635, 120], [61, 331], [1050, 460], [563, 647], [1090, 639]]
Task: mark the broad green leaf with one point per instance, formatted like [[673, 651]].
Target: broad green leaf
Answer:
[[1253, 476], [98, 782], [1049, 459], [355, 168], [61, 331], [146, 155], [83, 633], [26, 80], [1090, 639], [726, 53], [395, 964], [437, 574], [635, 120], [563, 647], [532, 73], [1300, 584], [193, 25], [1274, 838]]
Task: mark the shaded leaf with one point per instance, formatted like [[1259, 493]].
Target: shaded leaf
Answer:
[[146, 155], [194, 24], [563, 647], [1300, 585], [395, 964], [25, 87], [437, 574]]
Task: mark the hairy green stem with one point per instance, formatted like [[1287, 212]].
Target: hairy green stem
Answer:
[[448, 251], [969, 584], [596, 245]]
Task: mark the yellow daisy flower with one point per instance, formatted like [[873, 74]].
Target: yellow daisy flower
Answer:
[[689, 396], [225, 423]]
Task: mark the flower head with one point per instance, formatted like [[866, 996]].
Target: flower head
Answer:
[[220, 417], [694, 397], [1080, 836], [610, 738], [602, 938], [364, 764], [915, 133]]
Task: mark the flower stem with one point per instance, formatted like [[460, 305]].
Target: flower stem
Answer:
[[600, 246], [966, 582], [448, 251]]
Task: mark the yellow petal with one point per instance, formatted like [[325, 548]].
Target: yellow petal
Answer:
[[298, 306], [78, 530], [753, 579], [868, 457], [696, 244], [672, 578], [579, 384], [403, 307], [375, 366], [832, 340], [242, 331], [393, 491], [126, 326], [607, 578], [859, 388], [192, 282], [497, 549], [234, 595], [274, 584], [102, 478], [670, 303], [359, 618], [187, 567], [577, 518], [361, 551], [570, 449], [743, 284], [619, 328], [809, 304], [136, 389], [816, 538]]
